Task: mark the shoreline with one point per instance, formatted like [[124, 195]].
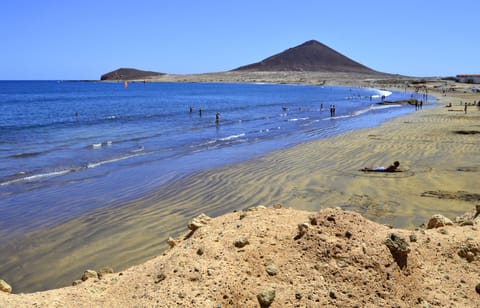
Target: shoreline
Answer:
[[309, 176]]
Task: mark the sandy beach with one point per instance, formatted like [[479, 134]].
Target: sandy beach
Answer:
[[437, 148]]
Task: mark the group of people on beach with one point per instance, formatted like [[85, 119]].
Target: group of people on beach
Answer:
[[465, 106], [471, 104], [418, 105]]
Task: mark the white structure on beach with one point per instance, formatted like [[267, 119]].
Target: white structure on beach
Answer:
[[469, 78]]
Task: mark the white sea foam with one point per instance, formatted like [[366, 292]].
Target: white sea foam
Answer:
[[139, 149], [362, 111], [232, 137], [386, 106], [113, 160], [298, 119], [37, 177]]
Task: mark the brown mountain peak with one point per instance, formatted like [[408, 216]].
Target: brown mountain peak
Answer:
[[310, 56]]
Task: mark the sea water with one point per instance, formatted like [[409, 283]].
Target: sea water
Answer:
[[67, 148]]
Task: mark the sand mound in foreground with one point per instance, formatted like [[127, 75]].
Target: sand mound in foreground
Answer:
[[290, 257]]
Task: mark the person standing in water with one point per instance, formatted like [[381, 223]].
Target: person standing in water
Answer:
[[217, 117]]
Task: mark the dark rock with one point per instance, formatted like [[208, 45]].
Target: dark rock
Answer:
[[332, 295], [399, 249], [331, 218], [302, 229], [171, 242], [467, 223], [160, 277]]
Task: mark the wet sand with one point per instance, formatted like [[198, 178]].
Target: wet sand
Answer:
[[441, 168]]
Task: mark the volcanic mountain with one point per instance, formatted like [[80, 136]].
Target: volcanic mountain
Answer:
[[129, 74], [311, 56]]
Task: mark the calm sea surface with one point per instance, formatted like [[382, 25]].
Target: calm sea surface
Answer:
[[67, 148]]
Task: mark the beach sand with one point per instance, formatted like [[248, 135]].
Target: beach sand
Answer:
[[441, 170]]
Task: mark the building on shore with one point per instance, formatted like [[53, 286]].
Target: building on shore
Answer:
[[468, 78]]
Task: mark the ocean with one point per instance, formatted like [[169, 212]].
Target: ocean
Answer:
[[70, 148]]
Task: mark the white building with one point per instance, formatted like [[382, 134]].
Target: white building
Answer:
[[469, 78]]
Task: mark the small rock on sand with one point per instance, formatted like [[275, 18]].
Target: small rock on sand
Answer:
[[89, 274], [271, 268], [437, 221], [5, 287], [266, 297], [241, 242], [198, 222]]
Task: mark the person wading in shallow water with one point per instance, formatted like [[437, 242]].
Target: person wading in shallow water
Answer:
[[392, 168]]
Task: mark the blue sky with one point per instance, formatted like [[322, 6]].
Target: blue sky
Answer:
[[59, 39]]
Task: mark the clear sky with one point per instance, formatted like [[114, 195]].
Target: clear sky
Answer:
[[62, 39]]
